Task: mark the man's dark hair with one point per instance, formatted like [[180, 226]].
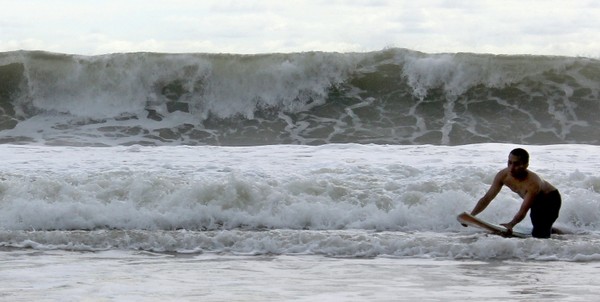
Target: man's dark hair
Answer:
[[521, 154]]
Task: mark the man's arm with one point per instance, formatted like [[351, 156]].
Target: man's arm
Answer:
[[525, 206], [491, 193]]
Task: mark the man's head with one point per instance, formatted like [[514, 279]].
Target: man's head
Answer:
[[521, 154], [518, 161]]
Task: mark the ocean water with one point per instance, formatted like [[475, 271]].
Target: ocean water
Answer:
[[291, 177], [394, 96]]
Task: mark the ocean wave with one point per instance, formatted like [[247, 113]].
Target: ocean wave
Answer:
[[341, 200], [331, 187], [349, 243], [393, 96]]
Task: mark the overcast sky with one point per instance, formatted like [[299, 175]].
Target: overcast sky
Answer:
[[549, 27]]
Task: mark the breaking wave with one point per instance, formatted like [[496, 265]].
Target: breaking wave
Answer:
[[393, 96]]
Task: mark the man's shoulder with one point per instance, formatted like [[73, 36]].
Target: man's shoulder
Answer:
[[503, 173], [501, 176]]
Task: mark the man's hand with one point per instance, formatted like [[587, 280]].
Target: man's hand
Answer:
[[509, 228]]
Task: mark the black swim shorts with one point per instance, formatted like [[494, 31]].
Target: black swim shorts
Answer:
[[544, 213]]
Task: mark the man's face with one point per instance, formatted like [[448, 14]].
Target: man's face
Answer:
[[516, 167]]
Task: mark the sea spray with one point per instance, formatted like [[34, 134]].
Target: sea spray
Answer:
[[393, 96]]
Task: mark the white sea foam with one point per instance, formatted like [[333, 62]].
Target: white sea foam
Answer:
[[393, 96], [344, 200], [178, 222]]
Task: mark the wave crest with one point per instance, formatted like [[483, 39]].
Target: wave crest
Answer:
[[393, 96]]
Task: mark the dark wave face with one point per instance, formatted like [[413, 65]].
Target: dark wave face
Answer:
[[394, 96]]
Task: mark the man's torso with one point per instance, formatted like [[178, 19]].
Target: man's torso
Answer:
[[531, 182]]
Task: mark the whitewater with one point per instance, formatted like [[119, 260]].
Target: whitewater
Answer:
[[394, 96], [291, 177]]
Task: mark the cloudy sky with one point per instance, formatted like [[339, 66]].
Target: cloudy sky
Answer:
[[89, 27]]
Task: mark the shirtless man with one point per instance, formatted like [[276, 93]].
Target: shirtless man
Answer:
[[538, 195]]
